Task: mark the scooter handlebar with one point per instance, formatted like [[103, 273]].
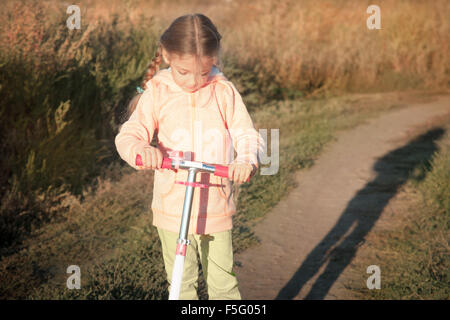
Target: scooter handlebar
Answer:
[[166, 164], [139, 162], [221, 171]]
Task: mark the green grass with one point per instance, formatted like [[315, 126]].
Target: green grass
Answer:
[[109, 234], [414, 254]]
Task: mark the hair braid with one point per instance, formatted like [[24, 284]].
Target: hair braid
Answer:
[[153, 67]]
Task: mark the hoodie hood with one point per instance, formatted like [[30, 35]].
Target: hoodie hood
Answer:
[[165, 76]]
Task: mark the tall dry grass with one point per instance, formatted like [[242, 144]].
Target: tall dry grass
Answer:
[[61, 92], [326, 44], [318, 45]]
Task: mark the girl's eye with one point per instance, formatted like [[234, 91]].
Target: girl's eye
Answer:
[[185, 73]]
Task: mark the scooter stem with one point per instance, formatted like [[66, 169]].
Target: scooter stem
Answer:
[[187, 206], [182, 242]]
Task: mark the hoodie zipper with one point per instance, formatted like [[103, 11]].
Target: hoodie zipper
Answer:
[[194, 118]]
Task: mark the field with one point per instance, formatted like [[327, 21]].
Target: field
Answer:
[[301, 67]]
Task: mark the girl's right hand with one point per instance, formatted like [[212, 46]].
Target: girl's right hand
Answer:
[[152, 158]]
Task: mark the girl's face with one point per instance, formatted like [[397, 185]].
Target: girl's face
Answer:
[[188, 71]]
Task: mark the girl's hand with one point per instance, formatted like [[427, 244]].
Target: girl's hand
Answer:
[[152, 158], [239, 172]]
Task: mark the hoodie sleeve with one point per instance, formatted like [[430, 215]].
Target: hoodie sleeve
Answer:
[[138, 130], [246, 140]]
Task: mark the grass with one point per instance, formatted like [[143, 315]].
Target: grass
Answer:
[[109, 234], [66, 197], [411, 247]]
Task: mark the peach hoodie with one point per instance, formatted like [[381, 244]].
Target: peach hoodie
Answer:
[[207, 125]]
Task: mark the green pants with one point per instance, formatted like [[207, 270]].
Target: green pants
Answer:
[[216, 257]]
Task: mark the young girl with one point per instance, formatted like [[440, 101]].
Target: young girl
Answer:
[[193, 108]]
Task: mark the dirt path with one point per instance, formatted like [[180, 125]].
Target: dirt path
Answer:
[[309, 239]]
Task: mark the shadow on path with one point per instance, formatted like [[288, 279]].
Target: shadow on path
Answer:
[[338, 247]]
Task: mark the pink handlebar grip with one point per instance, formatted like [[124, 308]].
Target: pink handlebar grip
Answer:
[[139, 160], [166, 164], [221, 171]]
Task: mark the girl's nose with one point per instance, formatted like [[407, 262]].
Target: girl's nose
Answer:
[[194, 81]]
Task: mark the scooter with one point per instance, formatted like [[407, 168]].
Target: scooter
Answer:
[[176, 162]]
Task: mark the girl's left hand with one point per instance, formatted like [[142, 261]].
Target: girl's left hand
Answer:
[[239, 172]]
